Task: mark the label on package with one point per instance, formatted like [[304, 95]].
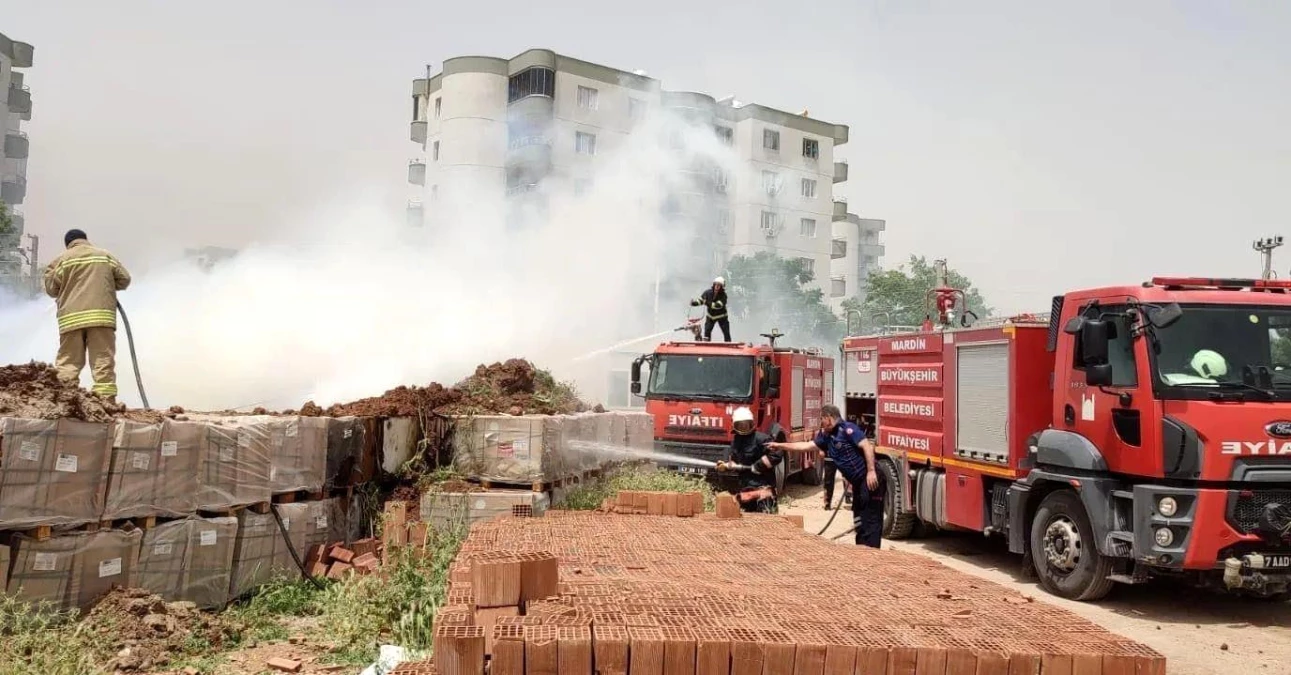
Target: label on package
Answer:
[[110, 567], [44, 562], [227, 453], [506, 449], [244, 439], [521, 449], [348, 433], [169, 448], [286, 523], [29, 451], [162, 549], [321, 522], [293, 428], [139, 460], [65, 463], [208, 538]]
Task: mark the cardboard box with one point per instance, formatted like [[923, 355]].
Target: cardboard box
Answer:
[[351, 451], [451, 508], [399, 436], [260, 553], [52, 472], [297, 453], [72, 571], [154, 469], [163, 556], [233, 467], [211, 544], [109, 558], [502, 448]]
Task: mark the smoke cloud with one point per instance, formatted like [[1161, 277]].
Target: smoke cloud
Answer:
[[351, 301]]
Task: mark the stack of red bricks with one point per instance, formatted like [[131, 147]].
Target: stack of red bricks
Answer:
[[681, 504], [336, 561], [752, 595]]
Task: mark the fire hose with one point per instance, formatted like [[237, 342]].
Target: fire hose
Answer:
[[138, 379]]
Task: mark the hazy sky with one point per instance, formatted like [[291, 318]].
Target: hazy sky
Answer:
[[1038, 145]]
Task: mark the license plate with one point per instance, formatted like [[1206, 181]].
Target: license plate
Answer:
[[1277, 562], [692, 469]]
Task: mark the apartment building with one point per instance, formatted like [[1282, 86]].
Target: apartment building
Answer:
[[857, 249], [495, 127], [15, 108]]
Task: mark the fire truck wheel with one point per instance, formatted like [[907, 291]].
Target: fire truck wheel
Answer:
[[1064, 551], [779, 478], [814, 474], [897, 522]]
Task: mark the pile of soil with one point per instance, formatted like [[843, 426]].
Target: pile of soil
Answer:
[[33, 391], [138, 631], [514, 387]]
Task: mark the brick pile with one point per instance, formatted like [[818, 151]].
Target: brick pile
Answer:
[[755, 595], [680, 504]]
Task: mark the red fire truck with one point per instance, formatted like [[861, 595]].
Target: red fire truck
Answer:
[[1134, 432], [693, 388]]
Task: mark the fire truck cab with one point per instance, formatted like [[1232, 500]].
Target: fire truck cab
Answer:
[[693, 388], [1135, 432]]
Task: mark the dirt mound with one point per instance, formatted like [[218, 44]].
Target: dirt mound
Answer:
[[34, 391], [138, 631], [515, 387]]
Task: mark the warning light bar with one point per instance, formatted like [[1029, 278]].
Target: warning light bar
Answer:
[[1223, 284]]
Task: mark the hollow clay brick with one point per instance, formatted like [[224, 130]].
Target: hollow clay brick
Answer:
[[796, 520], [541, 650], [991, 663], [654, 503], [610, 649], [746, 652], [539, 576], [645, 651], [698, 502], [678, 651], [685, 505], [1024, 664], [727, 506], [809, 658], [394, 526], [841, 660], [574, 650], [960, 662], [496, 582], [508, 650], [341, 554], [1086, 664], [669, 504], [1056, 664], [455, 615], [487, 618], [459, 650], [338, 570], [778, 652], [418, 534], [713, 652], [902, 661], [362, 546]]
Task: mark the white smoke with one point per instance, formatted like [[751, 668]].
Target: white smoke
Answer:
[[353, 301]]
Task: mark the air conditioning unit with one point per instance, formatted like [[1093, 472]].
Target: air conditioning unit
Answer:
[[771, 229]]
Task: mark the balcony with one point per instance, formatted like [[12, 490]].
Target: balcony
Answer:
[[13, 189], [16, 145], [840, 172], [840, 208], [416, 214], [874, 250], [838, 250], [417, 172], [419, 132], [20, 100], [23, 54], [523, 188]]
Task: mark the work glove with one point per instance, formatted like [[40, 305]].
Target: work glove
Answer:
[[757, 467]]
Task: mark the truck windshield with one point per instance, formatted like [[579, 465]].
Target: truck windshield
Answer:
[[1225, 347], [681, 376]]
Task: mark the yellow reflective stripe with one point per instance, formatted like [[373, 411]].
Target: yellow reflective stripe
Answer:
[[88, 316], [87, 260], [106, 389]]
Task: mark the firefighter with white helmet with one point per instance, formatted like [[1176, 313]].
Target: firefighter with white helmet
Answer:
[[756, 463], [713, 300]]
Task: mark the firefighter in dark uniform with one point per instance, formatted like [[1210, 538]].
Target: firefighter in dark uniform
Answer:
[[713, 301], [853, 455], [751, 451]]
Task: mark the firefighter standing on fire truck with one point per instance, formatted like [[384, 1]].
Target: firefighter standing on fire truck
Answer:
[[713, 301], [751, 451], [853, 454]]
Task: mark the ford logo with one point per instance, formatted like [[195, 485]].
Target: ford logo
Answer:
[[698, 411], [1280, 429]]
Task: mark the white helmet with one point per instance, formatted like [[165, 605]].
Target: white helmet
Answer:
[[740, 416], [719, 281], [1209, 363]]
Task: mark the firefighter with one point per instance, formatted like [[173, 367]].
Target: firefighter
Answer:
[[853, 454], [84, 282], [752, 449], [713, 300]]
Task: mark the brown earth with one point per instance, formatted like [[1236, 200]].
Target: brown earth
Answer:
[[34, 391], [514, 387], [138, 631]]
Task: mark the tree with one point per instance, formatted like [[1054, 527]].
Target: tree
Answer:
[[767, 291], [6, 223], [898, 297]]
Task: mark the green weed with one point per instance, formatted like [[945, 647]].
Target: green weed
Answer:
[[589, 496]]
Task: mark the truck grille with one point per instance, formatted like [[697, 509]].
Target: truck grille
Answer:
[[1246, 510], [712, 453], [698, 431]]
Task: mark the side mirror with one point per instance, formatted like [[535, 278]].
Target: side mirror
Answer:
[[1074, 325], [636, 388], [1099, 375], [773, 392], [636, 376], [1095, 336], [773, 377], [1164, 316]]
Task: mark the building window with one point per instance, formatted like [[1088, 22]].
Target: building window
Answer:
[[771, 182], [770, 223], [439, 107], [811, 148], [808, 265], [837, 287], [771, 140], [416, 109], [531, 82], [809, 188], [434, 151], [724, 220], [584, 144], [636, 109], [587, 98], [807, 227], [720, 180], [725, 134]]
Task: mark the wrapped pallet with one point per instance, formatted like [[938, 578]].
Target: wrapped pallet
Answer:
[[207, 574], [502, 449], [52, 472], [351, 451], [72, 571], [348, 521], [399, 436], [260, 554], [297, 453], [640, 430], [154, 469], [562, 452], [163, 558], [233, 465], [309, 524], [4, 567]]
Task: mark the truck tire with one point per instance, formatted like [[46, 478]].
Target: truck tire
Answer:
[[814, 474], [897, 522], [1064, 551], [779, 478]]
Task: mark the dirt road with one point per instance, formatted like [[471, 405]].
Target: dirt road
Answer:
[[1199, 633]]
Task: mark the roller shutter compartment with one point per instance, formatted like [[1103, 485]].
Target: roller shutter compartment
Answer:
[[982, 401]]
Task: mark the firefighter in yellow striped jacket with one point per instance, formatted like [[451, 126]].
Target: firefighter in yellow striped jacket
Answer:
[[84, 281]]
